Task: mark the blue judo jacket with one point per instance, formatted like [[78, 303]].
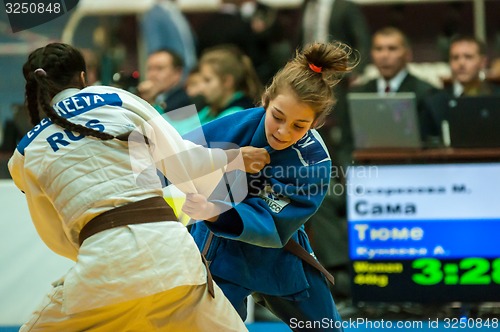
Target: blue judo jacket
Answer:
[[281, 198]]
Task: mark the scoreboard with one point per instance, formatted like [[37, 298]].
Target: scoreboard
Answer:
[[424, 233]]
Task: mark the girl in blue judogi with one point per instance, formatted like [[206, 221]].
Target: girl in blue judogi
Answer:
[[252, 248]]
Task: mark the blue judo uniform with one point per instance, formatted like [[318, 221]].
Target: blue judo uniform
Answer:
[[246, 254]]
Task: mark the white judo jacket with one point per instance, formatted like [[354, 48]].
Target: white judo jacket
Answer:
[[70, 178]]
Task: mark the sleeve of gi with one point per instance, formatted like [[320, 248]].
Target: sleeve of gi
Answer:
[[45, 217], [270, 221], [190, 167]]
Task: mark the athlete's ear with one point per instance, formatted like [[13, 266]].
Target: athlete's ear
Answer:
[[265, 101], [314, 124], [83, 79]]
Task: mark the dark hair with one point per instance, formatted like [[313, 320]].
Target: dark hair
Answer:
[[391, 31], [177, 61], [481, 46], [48, 71], [311, 76]]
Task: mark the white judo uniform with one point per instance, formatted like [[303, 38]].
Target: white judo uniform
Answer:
[[145, 277]]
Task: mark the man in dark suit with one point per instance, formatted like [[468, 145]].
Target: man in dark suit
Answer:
[[391, 52], [467, 59]]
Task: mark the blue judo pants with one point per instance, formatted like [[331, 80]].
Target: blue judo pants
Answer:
[[313, 311]]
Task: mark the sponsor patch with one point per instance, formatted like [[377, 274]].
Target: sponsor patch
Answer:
[[276, 202]]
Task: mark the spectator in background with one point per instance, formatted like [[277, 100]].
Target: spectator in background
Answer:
[[494, 71], [194, 88], [230, 85], [468, 61], [163, 86], [165, 27], [391, 52]]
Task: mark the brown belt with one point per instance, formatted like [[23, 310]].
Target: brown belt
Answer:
[[292, 247], [153, 209]]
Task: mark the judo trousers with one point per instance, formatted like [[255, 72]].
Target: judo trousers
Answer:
[[184, 308], [313, 311]]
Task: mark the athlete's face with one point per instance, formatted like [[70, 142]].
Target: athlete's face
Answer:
[[466, 62], [287, 121]]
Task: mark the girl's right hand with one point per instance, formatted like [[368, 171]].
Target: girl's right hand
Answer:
[[255, 159]]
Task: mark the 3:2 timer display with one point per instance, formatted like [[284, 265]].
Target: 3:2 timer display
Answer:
[[467, 271]]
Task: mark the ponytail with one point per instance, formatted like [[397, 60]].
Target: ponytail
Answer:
[[312, 74]]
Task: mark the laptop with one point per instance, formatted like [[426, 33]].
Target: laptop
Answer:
[[384, 121], [474, 122]]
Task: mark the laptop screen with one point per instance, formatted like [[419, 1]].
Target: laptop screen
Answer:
[[384, 121]]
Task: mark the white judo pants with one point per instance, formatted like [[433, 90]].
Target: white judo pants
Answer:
[[184, 308]]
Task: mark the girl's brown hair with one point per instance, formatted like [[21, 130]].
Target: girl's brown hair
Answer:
[[229, 60], [311, 76]]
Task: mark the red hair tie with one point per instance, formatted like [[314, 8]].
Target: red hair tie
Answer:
[[315, 68]]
